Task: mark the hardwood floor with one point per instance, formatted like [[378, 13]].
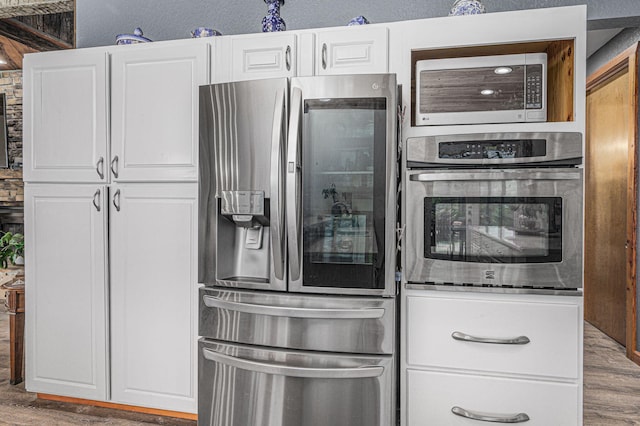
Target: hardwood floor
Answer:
[[611, 392]]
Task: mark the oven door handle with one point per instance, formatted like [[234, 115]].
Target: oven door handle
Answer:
[[490, 175], [278, 311], [365, 371]]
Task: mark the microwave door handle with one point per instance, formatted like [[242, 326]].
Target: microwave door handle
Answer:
[[293, 183], [475, 176], [275, 203], [360, 372]]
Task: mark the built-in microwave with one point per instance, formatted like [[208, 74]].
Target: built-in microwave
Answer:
[[481, 89]]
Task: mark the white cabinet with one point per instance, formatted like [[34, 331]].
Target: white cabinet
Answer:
[[66, 297], [352, 50], [153, 249], [264, 56], [495, 354], [154, 111], [65, 116]]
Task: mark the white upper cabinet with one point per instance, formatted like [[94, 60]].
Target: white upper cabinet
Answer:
[[66, 297], [154, 111], [65, 116], [264, 56], [352, 50]]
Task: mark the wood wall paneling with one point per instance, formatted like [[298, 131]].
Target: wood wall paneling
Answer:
[[607, 154]]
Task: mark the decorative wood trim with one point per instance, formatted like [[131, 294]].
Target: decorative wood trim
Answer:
[[31, 37], [144, 410], [632, 213], [614, 66]]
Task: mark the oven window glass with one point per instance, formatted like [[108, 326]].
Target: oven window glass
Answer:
[[493, 229]]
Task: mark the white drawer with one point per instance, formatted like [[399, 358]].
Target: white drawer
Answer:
[[552, 328], [432, 395]]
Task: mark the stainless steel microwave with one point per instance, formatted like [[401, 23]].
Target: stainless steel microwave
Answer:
[[482, 89]]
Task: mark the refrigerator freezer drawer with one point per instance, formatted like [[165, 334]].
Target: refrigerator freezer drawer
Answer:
[[248, 386], [307, 322]]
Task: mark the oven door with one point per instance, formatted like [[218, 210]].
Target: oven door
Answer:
[[257, 386], [516, 228]]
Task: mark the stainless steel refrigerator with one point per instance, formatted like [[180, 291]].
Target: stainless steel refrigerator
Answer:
[[297, 252]]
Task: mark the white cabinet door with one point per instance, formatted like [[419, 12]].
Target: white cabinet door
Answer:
[[353, 50], [153, 292], [154, 111], [266, 56], [66, 292], [65, 116]]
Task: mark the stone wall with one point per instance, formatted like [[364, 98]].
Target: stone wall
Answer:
[[11, 86], [11, 186]]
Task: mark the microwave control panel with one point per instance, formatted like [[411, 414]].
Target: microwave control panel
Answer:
[[534, 86], [475, 150]]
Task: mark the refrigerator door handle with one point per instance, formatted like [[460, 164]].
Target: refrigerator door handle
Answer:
[[293, 184], [291, 312], [277, 208], [365, 371]]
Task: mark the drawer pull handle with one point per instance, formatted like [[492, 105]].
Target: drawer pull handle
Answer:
[[515, 418], [520, 340]]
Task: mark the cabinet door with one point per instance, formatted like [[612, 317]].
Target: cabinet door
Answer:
[[266, 56], [155, 112], [65, 116], [153, 295], [66, 292], [353, 50]]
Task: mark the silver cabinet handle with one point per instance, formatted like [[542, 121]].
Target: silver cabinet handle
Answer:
[[324, 56], [514, 175], [520, 340], [96, 199], [277, 187], [278, 311], [114, 166], [515, 418], [287, 58], [116, 200], [365, 371], [100, 167], [293, 184]]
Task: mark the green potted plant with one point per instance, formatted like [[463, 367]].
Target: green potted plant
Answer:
[[11, 249]]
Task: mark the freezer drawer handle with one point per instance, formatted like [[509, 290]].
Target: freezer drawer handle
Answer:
[[520, 340], [516, 418], [277, 311], [473, 176], [366, 371]]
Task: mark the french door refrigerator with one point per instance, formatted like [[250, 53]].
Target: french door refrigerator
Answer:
[[297, 252]]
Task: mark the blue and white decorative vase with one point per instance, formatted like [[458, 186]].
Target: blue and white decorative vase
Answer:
[[358, 20], [134, 38], [204, 32], [273, 21], [467, 7]]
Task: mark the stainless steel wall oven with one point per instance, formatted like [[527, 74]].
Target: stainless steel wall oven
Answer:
[[495, 210]]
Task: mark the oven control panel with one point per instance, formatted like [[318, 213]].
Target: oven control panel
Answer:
[[476, 150]]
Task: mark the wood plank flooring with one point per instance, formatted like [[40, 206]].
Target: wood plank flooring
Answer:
[[611, 392]]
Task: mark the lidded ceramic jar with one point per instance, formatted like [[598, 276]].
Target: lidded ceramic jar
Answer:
[[467, 7]]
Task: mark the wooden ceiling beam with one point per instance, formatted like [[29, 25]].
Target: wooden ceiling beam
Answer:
[[30, 37], [13, 8]]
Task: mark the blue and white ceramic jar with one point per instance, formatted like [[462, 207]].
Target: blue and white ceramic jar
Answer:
[[204, 32], [467, 7], [273, 21], [358, 20], [134, 38]]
